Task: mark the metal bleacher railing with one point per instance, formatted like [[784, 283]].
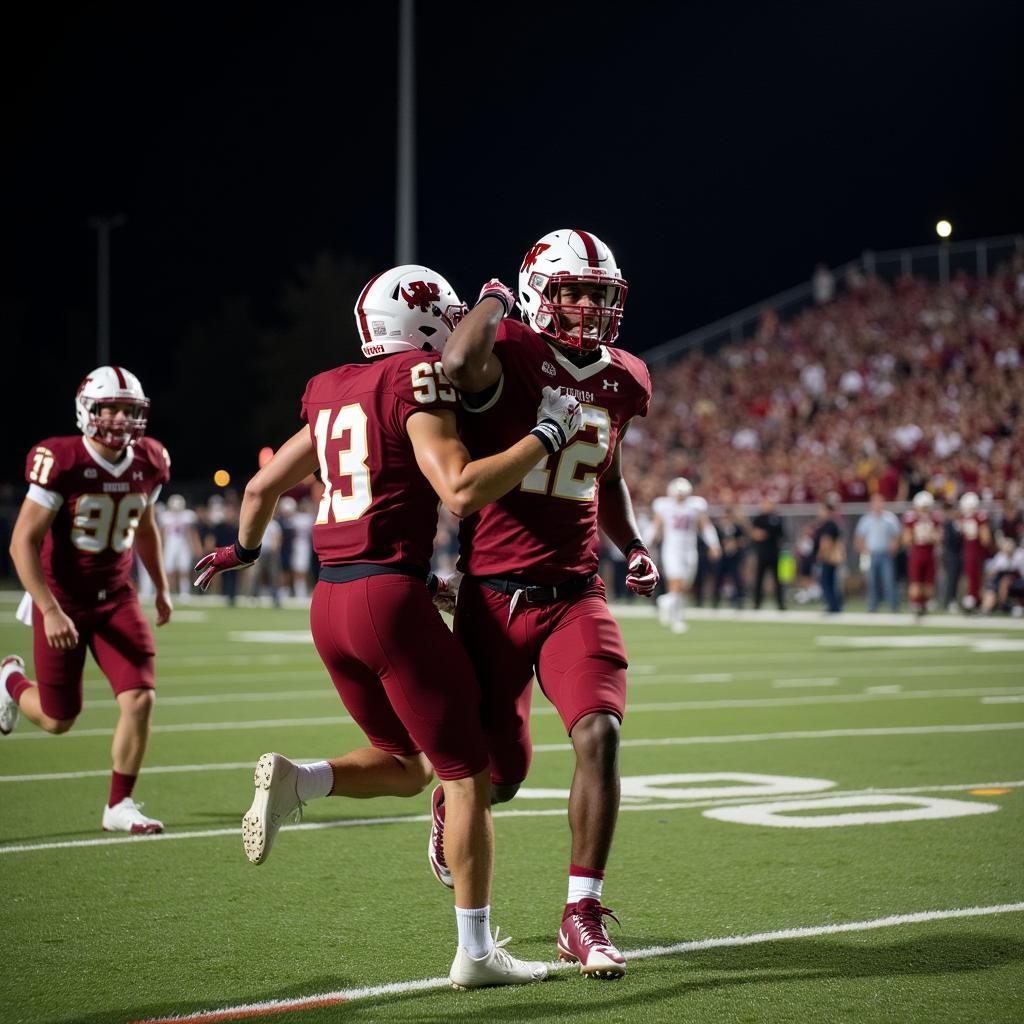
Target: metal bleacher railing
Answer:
[[977, 257]]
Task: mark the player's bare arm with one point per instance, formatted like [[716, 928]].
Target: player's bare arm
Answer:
[[468, 359], [292, 463], [149, 545], [33, 523]]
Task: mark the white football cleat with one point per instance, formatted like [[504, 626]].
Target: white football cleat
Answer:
[[497, 968], [435, 846], [127, 817], [8, 705], [680, 627], [275, 801]]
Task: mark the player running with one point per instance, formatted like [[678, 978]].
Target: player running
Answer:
[[382, 435], [679, 517], [90, 501], [531, 601]]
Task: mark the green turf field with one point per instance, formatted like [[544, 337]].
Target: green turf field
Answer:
[[99, 928]]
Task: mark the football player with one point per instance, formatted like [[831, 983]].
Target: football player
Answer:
[[678, 517], [177, 525], [922, 531], [383, 436], [531, 601], [90, 501], [976, 537]]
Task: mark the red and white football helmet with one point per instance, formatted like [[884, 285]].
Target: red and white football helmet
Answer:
[[406, 308], [923, 501], [572, 257], [969, 503], [105, 386]]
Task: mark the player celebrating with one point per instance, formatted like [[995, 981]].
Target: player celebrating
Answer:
[[922, 531], [531, 600], [90, 499], [678, 517], [382, 435], [977, 539]]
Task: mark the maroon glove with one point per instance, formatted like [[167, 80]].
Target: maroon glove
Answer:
[[225, 559], [494, 289], [641, 573]]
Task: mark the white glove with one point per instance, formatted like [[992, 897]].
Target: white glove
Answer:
[[447, 593], [558, 418]]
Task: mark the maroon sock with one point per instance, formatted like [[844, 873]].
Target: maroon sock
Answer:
[[120, 787], [17, 684]]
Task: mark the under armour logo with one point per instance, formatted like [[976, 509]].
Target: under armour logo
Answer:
[[421, 294], [532, 256], [137, 474], [549, 369], [610, 385]]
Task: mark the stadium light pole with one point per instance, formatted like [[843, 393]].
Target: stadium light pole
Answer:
[[405, 184], [103, 227]]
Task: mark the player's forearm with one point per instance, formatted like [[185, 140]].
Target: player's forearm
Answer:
[[615, 513], [25, 555], [468, 360], [151, 553], [485, 480], [295, 460], [257, 510]]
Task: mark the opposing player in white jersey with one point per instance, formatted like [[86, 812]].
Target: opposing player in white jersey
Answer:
[[181, 543], [678, 517]]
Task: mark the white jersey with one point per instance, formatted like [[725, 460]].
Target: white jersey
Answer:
[[680, 526], [177, 528]]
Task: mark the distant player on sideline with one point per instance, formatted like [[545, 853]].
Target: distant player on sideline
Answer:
[[382, 435], [90, 499], [972, 522], [177, 524], [678, 517], [531, 601], [922, 532]]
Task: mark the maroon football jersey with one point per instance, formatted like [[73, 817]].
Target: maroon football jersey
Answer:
[[925, 530], [970, 529], [545, 530], [88, 549], [377, 505]]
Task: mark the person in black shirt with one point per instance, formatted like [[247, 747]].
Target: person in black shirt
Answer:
[[733, 536], [952, 557], [829, 555], [768, 535]]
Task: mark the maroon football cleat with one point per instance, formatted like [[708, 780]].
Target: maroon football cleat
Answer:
[[583, 939], [435, 848]]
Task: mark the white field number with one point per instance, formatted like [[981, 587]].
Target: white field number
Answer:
[[101, 521], [580, 453]]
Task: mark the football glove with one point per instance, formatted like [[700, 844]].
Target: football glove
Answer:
[[494, 289], [558, 419], [642, 574], [445, 590], [225, 559]]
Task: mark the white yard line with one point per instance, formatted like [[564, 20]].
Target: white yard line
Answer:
[[659, 707], [532, 812], [268, 1007], [550, 748]]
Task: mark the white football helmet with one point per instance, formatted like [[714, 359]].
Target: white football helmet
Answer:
[[923, 501], [105, 386], [680, 488], [407, 308], [969, 503], [176, 503], [569, 257]]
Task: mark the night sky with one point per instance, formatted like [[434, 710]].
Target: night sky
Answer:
[[721, 153]]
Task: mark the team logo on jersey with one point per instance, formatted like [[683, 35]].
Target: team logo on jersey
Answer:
[[532, 256], [422, 294], [137, 474], [89, 473], [610, 385], [548, 369]]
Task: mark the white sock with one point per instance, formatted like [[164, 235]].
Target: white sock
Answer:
[[584, 887], [678, 610], [314, 780], [475, 931]]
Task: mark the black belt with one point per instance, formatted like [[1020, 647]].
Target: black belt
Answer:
[[360, 570], [535, 594]]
